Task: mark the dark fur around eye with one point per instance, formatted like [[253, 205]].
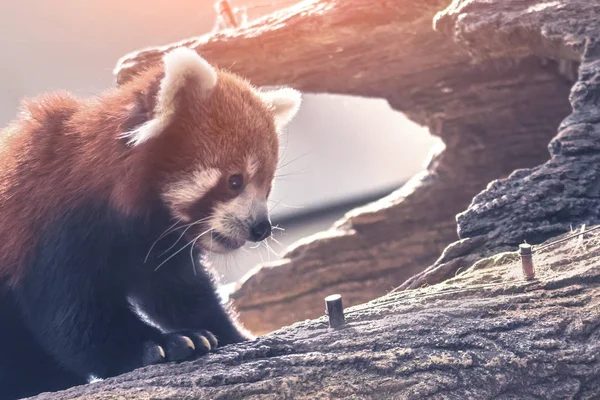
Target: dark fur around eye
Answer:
[[236, 182]]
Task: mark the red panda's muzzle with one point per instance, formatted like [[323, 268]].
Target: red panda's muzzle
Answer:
[[229, 243]]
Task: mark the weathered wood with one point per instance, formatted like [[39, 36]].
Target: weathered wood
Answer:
[[494, 117], [487, 333], [564, 192]]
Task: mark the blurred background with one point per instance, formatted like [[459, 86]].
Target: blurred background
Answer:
[[340, 152]]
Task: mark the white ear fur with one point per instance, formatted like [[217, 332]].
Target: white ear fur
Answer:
[[179, 64], [285, 104]]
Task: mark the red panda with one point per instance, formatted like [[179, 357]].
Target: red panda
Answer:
[[107, 206]]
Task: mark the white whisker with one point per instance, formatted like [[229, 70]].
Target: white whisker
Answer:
[[170, 230], [183, 234], [262, 260], [291, 206], [162, 235], [227, 268], [292, 161], [237, 264], [274, 206], [277, 241], [270, 250], [192, 259], [180, 250]]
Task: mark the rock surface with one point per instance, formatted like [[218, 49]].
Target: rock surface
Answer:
[[493, 116], [485, 334], [564, 192]]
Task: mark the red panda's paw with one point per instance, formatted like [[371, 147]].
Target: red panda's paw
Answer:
[[203, 339], [153, 354], [181, 346]]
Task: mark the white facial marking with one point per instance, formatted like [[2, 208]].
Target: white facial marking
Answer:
[[180, 64], [239, 207], [252, 166], [233, 218], [285, 104], [192, 188]]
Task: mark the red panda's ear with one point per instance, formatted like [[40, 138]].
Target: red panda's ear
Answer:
[[284, 103], [183, 69]]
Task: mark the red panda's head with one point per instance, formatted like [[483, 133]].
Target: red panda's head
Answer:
[[213, 142]]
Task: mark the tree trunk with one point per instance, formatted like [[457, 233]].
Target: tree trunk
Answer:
[[485, 334], [493, 116]]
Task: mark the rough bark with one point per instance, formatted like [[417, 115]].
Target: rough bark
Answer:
[[485, 334], [564, 192], [494, 117]]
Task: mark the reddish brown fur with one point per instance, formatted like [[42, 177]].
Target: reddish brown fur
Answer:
[[64, 151]]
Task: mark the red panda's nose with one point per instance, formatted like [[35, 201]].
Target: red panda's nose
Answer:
[[260, 230]]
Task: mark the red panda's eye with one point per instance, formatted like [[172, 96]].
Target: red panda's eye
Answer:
[[236, 182]]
